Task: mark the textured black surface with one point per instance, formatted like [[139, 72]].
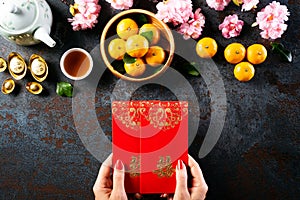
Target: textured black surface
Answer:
[[256, 157]]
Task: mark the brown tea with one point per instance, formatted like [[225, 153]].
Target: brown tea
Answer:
[[76, 64]]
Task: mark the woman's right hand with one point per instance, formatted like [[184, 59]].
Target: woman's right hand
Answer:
[[199, 187]]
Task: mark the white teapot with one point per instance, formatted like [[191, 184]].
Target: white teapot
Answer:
[[26, 22]]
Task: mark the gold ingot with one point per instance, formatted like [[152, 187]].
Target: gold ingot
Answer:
[[3, 64], [34, 87], [38, 67], [8, 86], [17, 66]]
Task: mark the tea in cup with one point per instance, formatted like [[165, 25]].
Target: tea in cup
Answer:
[[76, 63]]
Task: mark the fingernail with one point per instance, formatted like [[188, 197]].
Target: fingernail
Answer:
[[163, 195], [138, 196], [119, 165], [180, 164]]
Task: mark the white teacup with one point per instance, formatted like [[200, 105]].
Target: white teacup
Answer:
[[76, 63]]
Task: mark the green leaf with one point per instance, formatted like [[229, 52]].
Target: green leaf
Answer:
[[193, 72], [140, 19], [282, 51], [118, 66], [191, 69], [128, 59], [148, 35], [64, 89]]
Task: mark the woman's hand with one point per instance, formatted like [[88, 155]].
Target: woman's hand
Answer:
[[199, 187], [105, 188]]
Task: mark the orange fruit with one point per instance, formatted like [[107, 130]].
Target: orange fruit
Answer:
[[244, 71], [135, 69], [256, 53], [155, 56], [206, 47], [126, 28], [155, 31], [234, 53], [137, 46], [117, 48]]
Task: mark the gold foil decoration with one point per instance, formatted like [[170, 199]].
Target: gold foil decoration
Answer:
[[135, 166], [164, 167], [161, 115]]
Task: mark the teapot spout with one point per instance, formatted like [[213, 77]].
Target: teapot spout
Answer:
[[43, 34]]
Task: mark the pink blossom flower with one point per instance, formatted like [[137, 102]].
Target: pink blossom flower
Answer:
[[174, 11], [249, 4], [218, 4], [180, 14], [193, 28], [121, 4], [231, 26], [85, 14], [271, 20]]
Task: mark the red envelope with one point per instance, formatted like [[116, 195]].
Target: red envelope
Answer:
[[149, 137]]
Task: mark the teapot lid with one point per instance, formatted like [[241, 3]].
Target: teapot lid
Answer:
[[17, 15]]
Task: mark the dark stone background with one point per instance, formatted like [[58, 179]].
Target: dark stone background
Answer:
[[256, 157]]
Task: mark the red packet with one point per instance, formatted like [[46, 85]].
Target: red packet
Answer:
[[149, 137]]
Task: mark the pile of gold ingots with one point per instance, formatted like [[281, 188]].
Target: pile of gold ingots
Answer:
[[17, 68]]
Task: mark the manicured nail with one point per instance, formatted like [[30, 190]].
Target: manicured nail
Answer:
[[138, 196], [119, 165], [163, 195], [180, 164]]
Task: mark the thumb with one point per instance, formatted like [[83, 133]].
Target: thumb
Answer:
[[118, 191], [181, 178], [118, 177]]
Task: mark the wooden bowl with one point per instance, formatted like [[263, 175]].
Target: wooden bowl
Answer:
[[109, 33]]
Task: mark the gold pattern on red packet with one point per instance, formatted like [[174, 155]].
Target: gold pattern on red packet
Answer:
[[161, 115], [164, 167], [135, 166]]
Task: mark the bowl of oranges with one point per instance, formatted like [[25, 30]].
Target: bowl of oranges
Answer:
[[136, 46]]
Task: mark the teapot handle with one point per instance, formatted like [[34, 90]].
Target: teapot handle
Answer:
[[42, 34]]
